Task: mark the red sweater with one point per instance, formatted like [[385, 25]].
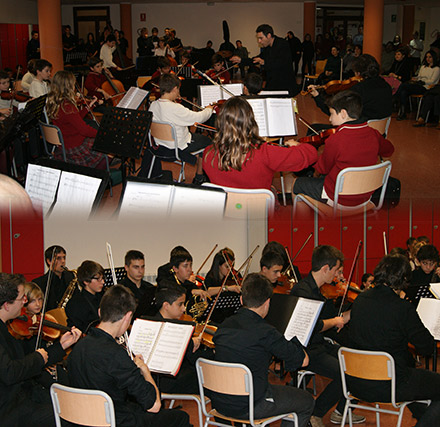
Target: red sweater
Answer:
[[352, 145], [93, 82], [259, 169], [73, 128]]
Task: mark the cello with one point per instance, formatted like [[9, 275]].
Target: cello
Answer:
[[114, 88]]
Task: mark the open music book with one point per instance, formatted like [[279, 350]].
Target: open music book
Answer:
[[435, 289], [274, 116], [294, 316], [162, 344], [133, 98], [429, 312], [209, 94]]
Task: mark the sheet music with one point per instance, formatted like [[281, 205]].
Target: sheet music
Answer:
[[41, 185], [273, 92], [235, 88], [303, 320], [435, 289], [143, 198], [142, 337], [77, 192], [133, 98], [171, 347], [280, 117], [429, 312], [259, 108], [209, 94], [186, 200]]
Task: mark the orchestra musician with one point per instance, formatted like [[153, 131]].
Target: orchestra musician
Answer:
[[106, 53], [60, 278], [252, 84], [271, 266], [218, 72], [239, 157], [40, 85], [5, 104], [247, 338], [95, 79], [98, 362], [22, 400], [323, 359]]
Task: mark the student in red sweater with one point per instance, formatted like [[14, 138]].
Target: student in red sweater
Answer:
[[240, 158], [64, 113], [95, 79], [354, 144]]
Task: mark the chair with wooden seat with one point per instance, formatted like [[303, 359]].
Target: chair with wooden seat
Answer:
[[172, 397], [83, 407], [369, 365], [320, 65], [232, 379], [349, 182], [141, 80], [381, 125]]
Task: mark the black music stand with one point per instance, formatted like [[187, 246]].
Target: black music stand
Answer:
[[108, 277], [123, 133], [415, 292], [228, 304]]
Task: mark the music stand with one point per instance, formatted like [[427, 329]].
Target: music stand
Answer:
[[415, 292], [123, 133], [120, 272], [228, 304]]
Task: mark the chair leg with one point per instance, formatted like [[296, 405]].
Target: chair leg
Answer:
[[151, 167], [399, 420], [182, 173], [344, 415], [283, 189], [418, 108], [377, 416]]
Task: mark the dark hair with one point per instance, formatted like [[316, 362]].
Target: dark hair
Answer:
[[256, 290], [178, 249], [410, 241], [393, 271], [49, 250], [269, 259], [31, 65], [116, 302], [265, 29], [349, 101], [254, 83], [367, 66], [93, 61], [163, 62], [274, 246], [365, 277], [34, 32], [424, 239], [40, 65], [218, 261], [9, 287], [326, 255], [180, 257], [4, 75], [168, 291], [428, 253], [132, 256], [217, 58], [398, 251], [155, 29], [402, 50], [110, 38], [88, 270], [238, 41], [168, 82], [434, 55]]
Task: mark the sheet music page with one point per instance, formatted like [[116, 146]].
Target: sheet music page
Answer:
[[144, 198], [280, 115], [209, 94], [41, 185], [142, 337], [273, 92], [170, 350], [133, 98], [429, 312], [259, 108], [303, 320], [186, 200], [76, 192], [235, 88], [435, 289]]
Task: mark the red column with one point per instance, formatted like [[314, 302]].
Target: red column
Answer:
[[309, 19], [125, 10], [49, 24], [408, 23], [373, 28]]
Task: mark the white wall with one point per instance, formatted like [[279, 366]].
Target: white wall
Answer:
[[389, 28]]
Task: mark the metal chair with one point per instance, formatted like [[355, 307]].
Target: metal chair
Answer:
[[320, 65], [84, 407], [369, 365], [233, 379], [194, 397], [352, 181], [381, 125]]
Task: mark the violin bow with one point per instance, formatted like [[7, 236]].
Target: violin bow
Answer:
[[353, 265], [191, 103], [226, 69], [247, 262], [46, 294], [302, 247], [112, 268], [291, 264], [307, 125], [201, 73], [206, 127], [234, 274], [385, 247], [86, 105], [181, 66], [206, 259]]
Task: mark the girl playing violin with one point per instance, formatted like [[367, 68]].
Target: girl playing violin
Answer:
[[220, 268], [240, 158], [64, 113]]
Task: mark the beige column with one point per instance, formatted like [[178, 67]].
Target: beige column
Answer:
[[309, 19], [373, 28], [125, 10]]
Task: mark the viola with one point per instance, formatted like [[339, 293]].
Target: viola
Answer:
[[337, 288], [25, 326]]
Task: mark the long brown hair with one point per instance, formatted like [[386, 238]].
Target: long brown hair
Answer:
[[237, 134], [62, 89]]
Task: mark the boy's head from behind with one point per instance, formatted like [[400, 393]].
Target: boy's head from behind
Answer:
[[345, 106]]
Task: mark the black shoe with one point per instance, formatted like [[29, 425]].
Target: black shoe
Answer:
[[199, 179], [401, 117]]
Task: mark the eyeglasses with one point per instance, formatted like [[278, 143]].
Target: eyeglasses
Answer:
[[98, 278]]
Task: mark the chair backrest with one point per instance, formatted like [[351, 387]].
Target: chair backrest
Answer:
[[367, 365], [320, 65], [381, 125], [141, 80], [84, 407], [165, 132], [52, 135], [360, 180]]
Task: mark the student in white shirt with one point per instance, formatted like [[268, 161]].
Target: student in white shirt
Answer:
[[40, 85]]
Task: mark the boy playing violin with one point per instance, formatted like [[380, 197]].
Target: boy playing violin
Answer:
[[5, 104], [218, 71], [354, 144]]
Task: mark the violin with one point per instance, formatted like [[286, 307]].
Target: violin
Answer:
[[25, 326], [283, 285], [336, 289], [334, 86], [319, 139], [207, 333]]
